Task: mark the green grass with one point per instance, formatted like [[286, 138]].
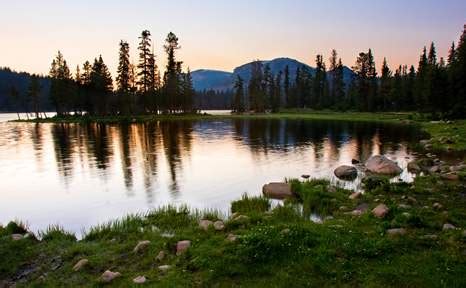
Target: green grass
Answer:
[[274, 247]]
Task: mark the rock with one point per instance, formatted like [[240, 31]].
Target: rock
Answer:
[[448, 226], [205, 224], [355, 161], [234, 215], [17, 237], [141, 246], [167, 235], [355, 195], [232, 237], [437, 206], [108, 276], [429, 237], [404, 206], [219, 226], [241, 218], [164, 268], [396, 231], [160, 256], [434, 169], [413, 167], [412, 200], [277, 190], [305, 176], [346, 172], [380, 211], [363, 207], [139, 280], [450, 177], [80, 264], [382, 165], [182, 246], [285, 231], [424, 142]]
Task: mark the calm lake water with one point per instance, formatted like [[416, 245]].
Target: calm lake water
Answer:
[[81, 175]]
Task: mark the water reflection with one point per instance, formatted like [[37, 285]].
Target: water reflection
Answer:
[[201, 163]]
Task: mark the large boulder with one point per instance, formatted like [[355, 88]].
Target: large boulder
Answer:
[[382, 165], [277, 190], [346, 172]]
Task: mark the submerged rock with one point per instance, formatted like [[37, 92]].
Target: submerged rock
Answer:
[[108, 276], [382, 165], [277, 190], [182, 246], [80, 264], [346, 172], [141, 246], [380, 211]]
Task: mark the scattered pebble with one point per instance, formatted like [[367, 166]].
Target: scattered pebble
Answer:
[[380, 211], [141, 246], [139, 280], [80, 264], [108, 276], [164, 268], [448, 226], [182, 246], [396, 231]]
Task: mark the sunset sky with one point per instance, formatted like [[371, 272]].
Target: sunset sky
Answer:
[[221, 34]]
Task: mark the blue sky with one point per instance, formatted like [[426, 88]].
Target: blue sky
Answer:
[[221, 34]]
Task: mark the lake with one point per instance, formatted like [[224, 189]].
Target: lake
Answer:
[[80, 175]]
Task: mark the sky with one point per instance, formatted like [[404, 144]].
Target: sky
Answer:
[[223, 34]]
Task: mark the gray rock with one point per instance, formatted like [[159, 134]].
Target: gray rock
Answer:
[[382, 165], [108, 276], [182, 246], [450, 177], [232, 237], [355, 195], [205, 224], [396, 231], [219, 226], [346, 172], [413, 167], [160, 256], [80, 264], [277, 190], [139, 280], [380, 211], [164, 268], [17, 237], [437, 206], [404, 206], [430, 237], [448, 226], [141, 246]]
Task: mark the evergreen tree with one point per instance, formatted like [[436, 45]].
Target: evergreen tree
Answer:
[[339, 86], [171, 76], [33, 94], [277, 93], [287, 87], [61, 84], [255, 88], [420, 81], [366, 81], [459, 77], [101, 86], [123, 79], [238, 103], [187, 92], [385, 87], [15, 99], [319, 85]]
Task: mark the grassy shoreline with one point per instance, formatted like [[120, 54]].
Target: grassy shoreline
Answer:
[[258, 245]]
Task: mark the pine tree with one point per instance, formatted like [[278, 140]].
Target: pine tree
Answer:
[[123, 79], [187, 92], [339, 86], [255, 88], [277, 93], [15, 99], [420, 81], [459, 77], [384, 102], [319, 85], [171, 76], [238, 102], [33, 94], [287, 87], [61, 84], [101, 86]]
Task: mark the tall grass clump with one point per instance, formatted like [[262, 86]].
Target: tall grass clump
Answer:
[[117, 228], [172, 218], [56, 233], [250, 204]]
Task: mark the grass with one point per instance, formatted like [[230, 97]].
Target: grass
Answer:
[[274, 247]]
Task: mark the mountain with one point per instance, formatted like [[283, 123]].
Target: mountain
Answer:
[[222, 80], [212, 80], [20, 80]]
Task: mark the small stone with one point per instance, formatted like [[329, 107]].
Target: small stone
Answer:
[[450, 177], [305, 176], [355, 161], [232, 237], [404, 206], [406, 214], [396, 231], [434, 169], [346, 172], [448, 226], [413, 167], [139, 280], [164, 268], [182, 246], [412, 200], [219, 226], [160, 256], [234, 215], [108, 276], [285, 231], [205, 224], [355, 195], [167, 235], [430, 237], [80, 264], [437, 206], [141, 246], [380, 211], [16, 237], [277, 190]]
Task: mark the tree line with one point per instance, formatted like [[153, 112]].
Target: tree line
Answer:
[[138, 88], [436, 87]]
